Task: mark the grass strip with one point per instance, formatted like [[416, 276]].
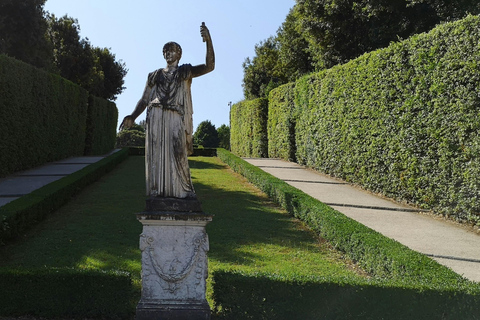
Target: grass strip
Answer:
[[19, 215], [97, 234]]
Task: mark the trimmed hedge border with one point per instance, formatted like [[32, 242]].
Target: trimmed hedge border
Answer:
[[20, 214], [67, 293], [378, 255], [391, 264], [268, 296]]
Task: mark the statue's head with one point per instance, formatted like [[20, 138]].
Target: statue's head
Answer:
[[172, 47]]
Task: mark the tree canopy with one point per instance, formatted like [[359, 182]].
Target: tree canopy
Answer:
[[30, 34], [224, 136], [22, 30], [318, 34], [206, 135]]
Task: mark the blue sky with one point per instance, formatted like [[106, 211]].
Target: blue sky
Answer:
[[137, 30]]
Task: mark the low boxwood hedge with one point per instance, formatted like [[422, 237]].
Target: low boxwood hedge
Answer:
[[20, 214], [377, 254], [66, 293], [267, 296]]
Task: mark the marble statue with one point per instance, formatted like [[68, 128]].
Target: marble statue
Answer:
[[169, 137]]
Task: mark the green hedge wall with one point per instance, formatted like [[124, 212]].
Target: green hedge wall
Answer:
[[281, 123], [102, 117], [42, 117], [248, 133], [46, 118], [403, 121]]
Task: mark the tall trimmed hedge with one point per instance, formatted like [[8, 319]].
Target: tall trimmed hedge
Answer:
[[102, 120], [42, 117], [403, 121], [281, 123], [248, 133]]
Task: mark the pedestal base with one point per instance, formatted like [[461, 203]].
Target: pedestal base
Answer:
[[174, 247], [154, 311]]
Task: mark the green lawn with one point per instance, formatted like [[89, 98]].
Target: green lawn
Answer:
[[98, 229]]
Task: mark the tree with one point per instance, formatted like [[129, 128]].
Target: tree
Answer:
[[111, 73], [206, 135], [294, 58], [278, 60], [224, 136], [22, 32], [340, 30], [262, 74], [94, 69], [318, 34], [131, 137]]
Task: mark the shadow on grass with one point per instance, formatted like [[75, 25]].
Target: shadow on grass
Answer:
[[243, 219], [240, 296]]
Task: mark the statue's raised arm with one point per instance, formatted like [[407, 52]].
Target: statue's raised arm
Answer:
[[210, 57]]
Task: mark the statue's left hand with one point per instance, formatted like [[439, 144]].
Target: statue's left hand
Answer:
[[126, 123], [204, 32]]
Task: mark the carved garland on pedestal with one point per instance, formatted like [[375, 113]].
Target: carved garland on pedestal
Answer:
[[171, 276]]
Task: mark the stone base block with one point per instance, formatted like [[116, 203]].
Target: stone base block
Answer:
[[155, 311], [158, 204], [174, 249]]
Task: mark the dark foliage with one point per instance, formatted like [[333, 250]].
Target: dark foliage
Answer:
[[206, 135], [224, 136]]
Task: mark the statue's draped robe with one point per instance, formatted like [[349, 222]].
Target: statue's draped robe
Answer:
[[169, 133]]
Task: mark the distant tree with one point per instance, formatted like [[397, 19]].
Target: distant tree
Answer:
[[111, 73], [224, 136], [94, 69], [131, 137], [262, 73], [206, 135], [294, 58], [318, 34], [340, 30], [22, 32]]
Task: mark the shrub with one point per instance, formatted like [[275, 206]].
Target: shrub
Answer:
[[248, 122], [281, 123], [43, 117], [206, 135], [402, 121], [101, 126], [66, 293], [224, 136]]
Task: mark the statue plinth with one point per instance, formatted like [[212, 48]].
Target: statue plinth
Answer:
[[174, 247]]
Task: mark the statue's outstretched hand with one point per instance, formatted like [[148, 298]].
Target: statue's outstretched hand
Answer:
[[126, 123], [204, 32]]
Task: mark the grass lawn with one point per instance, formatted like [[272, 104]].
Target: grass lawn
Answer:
[[98, 229]]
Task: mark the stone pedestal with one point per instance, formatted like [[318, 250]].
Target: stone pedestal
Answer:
[[174, 248]]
